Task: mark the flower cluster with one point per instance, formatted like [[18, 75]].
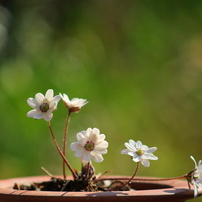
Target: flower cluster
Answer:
[[91, 144], [45, 105]]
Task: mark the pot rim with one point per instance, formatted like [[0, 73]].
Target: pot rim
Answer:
[[174, 188]]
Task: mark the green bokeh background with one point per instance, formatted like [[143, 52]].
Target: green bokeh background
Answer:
[[137, 62]]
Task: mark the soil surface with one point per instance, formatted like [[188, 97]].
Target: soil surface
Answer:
[[58, 184]]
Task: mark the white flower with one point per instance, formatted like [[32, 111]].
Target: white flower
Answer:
[[73, 105], [196, 176], [90, 145], [43, 105], [140, 152]]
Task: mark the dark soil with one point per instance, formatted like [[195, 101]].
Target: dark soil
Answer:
[[58, 184]]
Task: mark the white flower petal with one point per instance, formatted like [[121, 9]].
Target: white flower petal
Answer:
[[31, 113], [151, 149], [86, 156], [53, 106], [82, 102], [199, 185], [80, 151], [38, 115], [74, 146], [35, 114], [81, 138], [101, 151], [125, 151], [130, 147], [136, 158], [102, 145], [132, 142], [39, 97], [92, 137], [194, 161], [49, 94], [96, 131], [145, 147], [89, 133], [195, 189], [96, 157], [101, 138], [65, 98], [133, 154], [139, 144], [75, 104], [149, 156], [47, 116], [153, 157], [145, 162], [56, 99], [32, 103]]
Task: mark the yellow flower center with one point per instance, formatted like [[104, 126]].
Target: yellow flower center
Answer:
[[44, 107], [89, 146], [140, 152]]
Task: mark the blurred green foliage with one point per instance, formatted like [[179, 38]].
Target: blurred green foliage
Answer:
[[137, 62]]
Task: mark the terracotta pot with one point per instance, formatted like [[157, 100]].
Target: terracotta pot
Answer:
[[172, 190]]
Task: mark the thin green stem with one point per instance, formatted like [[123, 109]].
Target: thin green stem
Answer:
[[65, 142], [60, 152]]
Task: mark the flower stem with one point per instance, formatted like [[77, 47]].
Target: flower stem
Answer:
[[87, 170], [65, 141], [161, 179], [49, 174], [130, 179], [60, 152], [137, 166], [140, 178]]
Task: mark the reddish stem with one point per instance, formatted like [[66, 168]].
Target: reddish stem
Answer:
[[60, 152], [65, 141]]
